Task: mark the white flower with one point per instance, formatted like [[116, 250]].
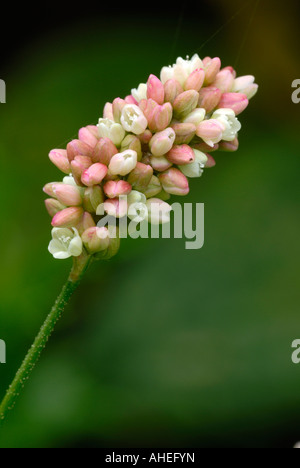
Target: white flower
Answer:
[[69, 180], [181, 70], [231, 123], [109, 129], [65, 243], [140, 92], [162, 142], [195, 117], [123, 163], [195, 169], [133, 119], [245, 84]]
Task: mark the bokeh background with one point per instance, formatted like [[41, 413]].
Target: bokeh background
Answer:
[[160, 346]]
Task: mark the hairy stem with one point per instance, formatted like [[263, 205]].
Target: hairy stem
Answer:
[[80, 265]]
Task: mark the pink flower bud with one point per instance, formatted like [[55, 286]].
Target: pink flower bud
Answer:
[[69, 217], [185, 103], [76, 148], [210, 131], [209, 98], [181, 155], [96, 239], [210, 161], [195, 80], [93, 197], [116, 207], [160, 164], [147, 106], [140, 177], [131, 100], [206, 61], [68, 195], [53, 206], [93, 130], [229, 146], [117, 107], [108, 111], [84, 161], [212, 68], [94, 174], [87, 137], [104, 151], [162, 142], [123, 163], [59, 158], [145, 137], [155, 89], [172, 89], [224, 81], [49, 190], [160, 117], [231, 69], [78, 166], [235, 101], [113, 189], [174, 182], [185, 132]]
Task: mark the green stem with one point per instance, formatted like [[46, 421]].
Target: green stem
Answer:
[[80, 265]]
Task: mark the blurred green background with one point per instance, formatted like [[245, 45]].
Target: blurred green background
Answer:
[[160, 346]]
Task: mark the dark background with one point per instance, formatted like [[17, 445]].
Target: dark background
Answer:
[[161, 346]]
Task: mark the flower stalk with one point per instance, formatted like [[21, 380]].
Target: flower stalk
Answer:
[[80, 265]]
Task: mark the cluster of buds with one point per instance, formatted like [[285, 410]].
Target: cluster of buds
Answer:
[[143, 150]]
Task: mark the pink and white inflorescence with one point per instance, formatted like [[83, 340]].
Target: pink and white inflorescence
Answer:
[[145, 147]]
